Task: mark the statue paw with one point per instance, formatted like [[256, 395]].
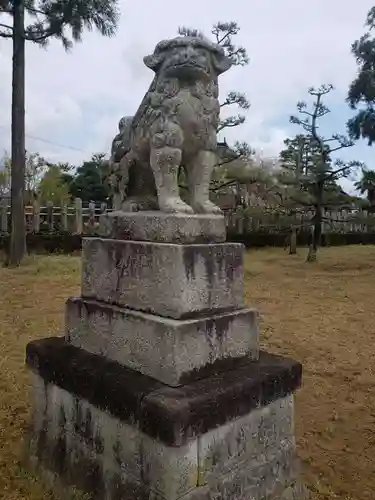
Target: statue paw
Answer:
[[175, 205], [206, 207]]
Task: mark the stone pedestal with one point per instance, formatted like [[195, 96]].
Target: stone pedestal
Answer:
[[158, 389]]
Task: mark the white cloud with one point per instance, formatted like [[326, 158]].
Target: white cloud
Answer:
[[76, 99]]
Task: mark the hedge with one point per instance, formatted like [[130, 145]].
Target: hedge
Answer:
[[67, 243], [262, 239], [59, 242], [265, 239]]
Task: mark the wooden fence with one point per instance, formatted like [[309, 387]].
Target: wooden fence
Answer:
[[336, 221], [79, 219], [75, 218]]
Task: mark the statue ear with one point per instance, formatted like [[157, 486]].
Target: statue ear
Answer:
[[154, 61], [221, 62]]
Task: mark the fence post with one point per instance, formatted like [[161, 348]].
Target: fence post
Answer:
[[49, 209], [36, 216], [64, 216], [78, 206], [240, 223], [4, 218], [91, 219], [228, 220], [364, 216]]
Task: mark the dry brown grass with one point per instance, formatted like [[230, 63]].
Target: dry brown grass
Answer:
[[322, 314]]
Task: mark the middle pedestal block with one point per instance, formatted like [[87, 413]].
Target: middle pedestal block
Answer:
[[172, 351]]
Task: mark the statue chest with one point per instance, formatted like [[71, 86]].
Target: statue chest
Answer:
[[192, 113]]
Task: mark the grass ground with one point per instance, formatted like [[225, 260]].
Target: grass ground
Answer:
[[322, 314]]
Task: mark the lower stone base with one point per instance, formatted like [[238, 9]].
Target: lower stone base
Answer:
[[59, 486], [252, 457], [120, 435], [131, 490]]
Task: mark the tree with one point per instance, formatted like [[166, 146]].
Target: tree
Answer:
[[367, 185], [50, 19], [361, 95], [90, 181], [297, 163], [35, 165], [223, 34], [53, 186], [297, 158], [323, 173], [4, 176]]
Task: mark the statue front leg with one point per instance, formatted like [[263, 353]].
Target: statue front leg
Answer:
[[165, 160], [165, 163], [122, 181], [115, 185], [199, 172]]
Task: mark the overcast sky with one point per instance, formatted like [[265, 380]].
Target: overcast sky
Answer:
[[74, 100]]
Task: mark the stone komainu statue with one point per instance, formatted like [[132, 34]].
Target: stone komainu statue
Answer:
[[176, 124]]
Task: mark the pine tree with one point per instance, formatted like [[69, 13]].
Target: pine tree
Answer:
[[322, 172], [50, 19], [361, 95]]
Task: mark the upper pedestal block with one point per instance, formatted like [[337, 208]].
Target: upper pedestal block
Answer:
[[163, 227], [171, 280]]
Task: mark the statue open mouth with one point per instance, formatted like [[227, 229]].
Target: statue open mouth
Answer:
[[189, 64], [187, 68]]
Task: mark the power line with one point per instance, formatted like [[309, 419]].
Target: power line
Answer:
[[50, 142], [54, 143]]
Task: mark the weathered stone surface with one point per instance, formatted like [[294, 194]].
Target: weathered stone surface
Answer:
[[295, 490], [256, 437], [171, 415], [163, 227], [171, 471], [176, 122], [64, 425], [61, 418], [255, 480], [111, 459], [177, 281], [172, 351]]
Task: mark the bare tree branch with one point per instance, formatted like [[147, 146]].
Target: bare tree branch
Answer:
[[6, 26], [228, 160], [342, 146], [35, 11], [231, 121], [322, 90]]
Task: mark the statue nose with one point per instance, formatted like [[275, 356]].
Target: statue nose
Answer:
[[189, 53]]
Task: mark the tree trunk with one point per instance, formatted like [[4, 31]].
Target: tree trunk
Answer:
[[293, 241], [311, 256], [17, 249], [317, 234], [371, 197]]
